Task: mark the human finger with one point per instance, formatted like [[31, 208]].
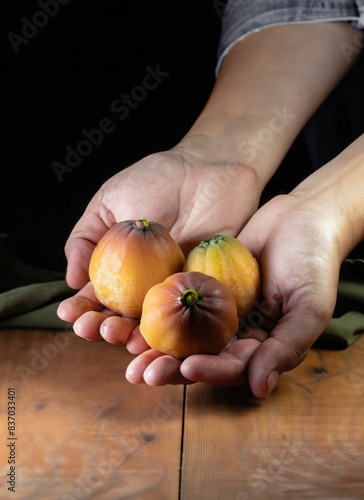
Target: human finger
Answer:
[[88, 325], [136, 343], [79, 247], [229, 368], [164, 370], [284, 350], [135, 370], [81, 302], [117, 330]]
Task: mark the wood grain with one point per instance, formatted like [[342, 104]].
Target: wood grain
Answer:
[[305, 441], [82, 430]]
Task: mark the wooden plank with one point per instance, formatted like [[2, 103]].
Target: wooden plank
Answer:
[[305, 441], [82, 430]]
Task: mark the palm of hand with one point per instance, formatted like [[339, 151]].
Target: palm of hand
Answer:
[[300, 265], [193, 199], [300, 268]]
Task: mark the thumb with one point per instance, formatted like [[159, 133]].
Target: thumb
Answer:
[[79, 247], [286, 348], [78, 255]]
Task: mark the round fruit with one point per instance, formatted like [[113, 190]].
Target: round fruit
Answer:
[[131, 257], [229, 261], [189, 313]]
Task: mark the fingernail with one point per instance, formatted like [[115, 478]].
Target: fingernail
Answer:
[[105, 332], [128, 374], [272, 381]]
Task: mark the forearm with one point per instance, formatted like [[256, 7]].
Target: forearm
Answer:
[[269, 85], [336, 194]]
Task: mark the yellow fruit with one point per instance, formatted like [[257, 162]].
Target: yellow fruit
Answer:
[[229, 261]]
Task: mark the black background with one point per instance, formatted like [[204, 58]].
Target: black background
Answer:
[[66, 77], [64, 80]]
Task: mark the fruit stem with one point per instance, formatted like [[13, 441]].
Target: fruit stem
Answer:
[[215, 239], [141, 224], [190, 298]]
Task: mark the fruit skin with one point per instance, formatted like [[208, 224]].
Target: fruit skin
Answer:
[[229, 261], [131, 257], [173, 327]]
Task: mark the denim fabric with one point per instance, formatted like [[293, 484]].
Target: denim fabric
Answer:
[[243, 17]]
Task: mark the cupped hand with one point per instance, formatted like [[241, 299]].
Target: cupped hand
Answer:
[[194, 197], [297, 241], [297, 249]]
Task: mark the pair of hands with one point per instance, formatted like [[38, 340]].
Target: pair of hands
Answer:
[[195, 199]]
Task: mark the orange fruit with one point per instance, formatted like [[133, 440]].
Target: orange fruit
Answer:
[[189, 313], [132, 256]]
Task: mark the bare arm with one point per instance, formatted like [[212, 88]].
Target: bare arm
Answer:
[[338, 188], [300, 238], [268, 87]]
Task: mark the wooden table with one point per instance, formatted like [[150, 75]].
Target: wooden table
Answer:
[[82, 431]]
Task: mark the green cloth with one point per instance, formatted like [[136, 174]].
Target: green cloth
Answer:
[[29, 298], [342, 331], [347, 322]]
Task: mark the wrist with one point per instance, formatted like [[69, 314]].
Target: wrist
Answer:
[[236, 141], [337, 193], [268, 86], [218, 149]]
